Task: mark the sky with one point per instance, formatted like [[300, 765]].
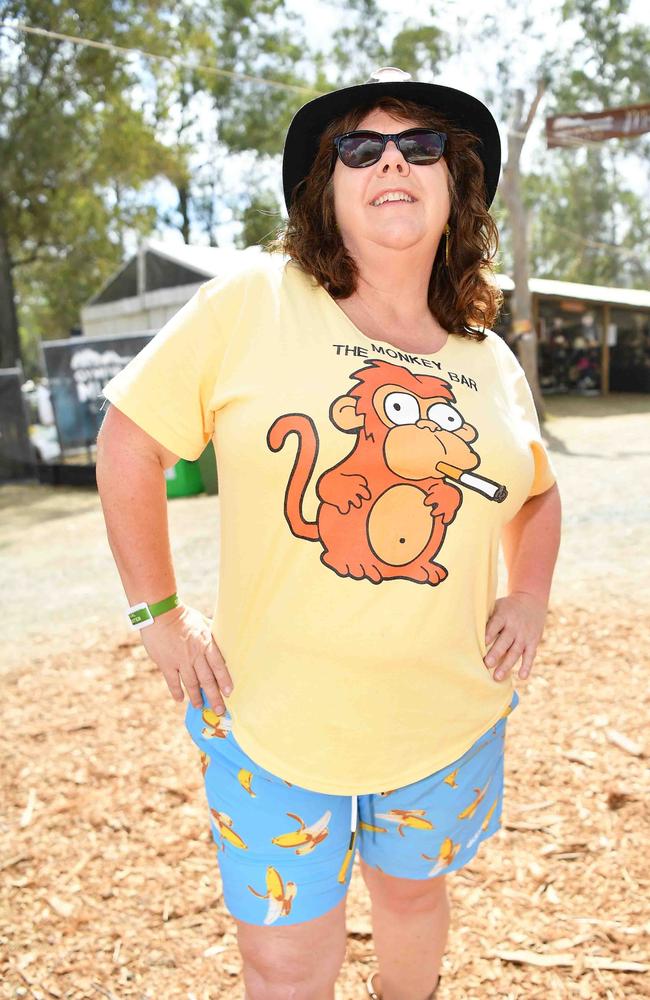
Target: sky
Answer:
[[470, 72]]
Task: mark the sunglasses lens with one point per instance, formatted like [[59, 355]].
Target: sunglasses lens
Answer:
[[422, 146], [360, 149]]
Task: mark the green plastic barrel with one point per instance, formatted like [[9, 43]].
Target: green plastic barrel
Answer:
[[208, 465], [184, 479]]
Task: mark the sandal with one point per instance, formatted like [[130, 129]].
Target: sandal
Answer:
[[372, 993]]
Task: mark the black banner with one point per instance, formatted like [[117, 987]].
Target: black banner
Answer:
[[78, 369]]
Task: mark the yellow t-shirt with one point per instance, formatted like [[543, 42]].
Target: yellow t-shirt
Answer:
[[358, 571]]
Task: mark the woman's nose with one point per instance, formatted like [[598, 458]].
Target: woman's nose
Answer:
[[392, 157]]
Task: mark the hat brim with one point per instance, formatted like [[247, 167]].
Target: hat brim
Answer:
[[461, 109]]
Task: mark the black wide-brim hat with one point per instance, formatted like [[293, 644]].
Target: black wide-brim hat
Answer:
[[461, 109]]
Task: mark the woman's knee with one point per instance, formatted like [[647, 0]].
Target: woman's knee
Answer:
[[298, 962], [403, 893]]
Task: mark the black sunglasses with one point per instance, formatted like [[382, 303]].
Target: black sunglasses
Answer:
[[417, 145]]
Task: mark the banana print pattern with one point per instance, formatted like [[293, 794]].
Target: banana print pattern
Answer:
[[412, 818], [245, 779], [422, 830], [215, 725], [227, 835], [306, 836], [280, 897]]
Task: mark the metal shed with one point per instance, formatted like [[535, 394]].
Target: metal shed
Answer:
[[592, 339]]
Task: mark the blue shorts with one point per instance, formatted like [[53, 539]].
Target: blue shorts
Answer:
[[285, 853]]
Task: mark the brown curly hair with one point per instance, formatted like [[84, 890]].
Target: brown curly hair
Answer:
[[462, 295]]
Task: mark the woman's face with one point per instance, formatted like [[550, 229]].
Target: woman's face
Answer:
[[399, 225]]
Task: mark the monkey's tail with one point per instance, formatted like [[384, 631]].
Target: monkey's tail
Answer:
[[304, 427]]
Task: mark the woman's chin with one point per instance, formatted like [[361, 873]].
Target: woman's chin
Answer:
[[395, 238]]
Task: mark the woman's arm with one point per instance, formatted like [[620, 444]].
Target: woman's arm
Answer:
[[531, 541], [131, 485], [132, 491]]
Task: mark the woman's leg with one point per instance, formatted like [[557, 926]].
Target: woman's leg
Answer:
[[410, 923], [441, 819], [298, 962]]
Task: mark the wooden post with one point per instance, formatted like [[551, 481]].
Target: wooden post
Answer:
[[604, 354]]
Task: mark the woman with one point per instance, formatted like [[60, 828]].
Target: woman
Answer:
[[375, 441]]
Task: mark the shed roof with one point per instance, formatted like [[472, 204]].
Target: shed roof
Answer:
[[638, 297], [168, 264]]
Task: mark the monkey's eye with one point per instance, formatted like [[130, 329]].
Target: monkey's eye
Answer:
[[402, 408], [445, 416]]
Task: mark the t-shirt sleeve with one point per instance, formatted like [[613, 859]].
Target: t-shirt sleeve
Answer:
[[168, 387], [519, 392]]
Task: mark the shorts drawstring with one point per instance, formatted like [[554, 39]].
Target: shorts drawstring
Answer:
[[353, 834]]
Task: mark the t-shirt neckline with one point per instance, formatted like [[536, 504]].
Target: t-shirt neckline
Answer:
[[371, 340]]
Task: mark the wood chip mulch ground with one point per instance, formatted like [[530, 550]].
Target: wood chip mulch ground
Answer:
[[110, 886]]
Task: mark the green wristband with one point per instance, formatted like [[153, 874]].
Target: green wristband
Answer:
[[143, 614], [161, 606]]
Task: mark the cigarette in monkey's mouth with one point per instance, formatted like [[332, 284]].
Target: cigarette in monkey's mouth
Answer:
[[489, 489]]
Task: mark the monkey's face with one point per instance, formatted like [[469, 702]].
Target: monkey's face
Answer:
[[422, 432]]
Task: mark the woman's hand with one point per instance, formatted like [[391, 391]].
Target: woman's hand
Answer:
[[515, 627], [181, 643]]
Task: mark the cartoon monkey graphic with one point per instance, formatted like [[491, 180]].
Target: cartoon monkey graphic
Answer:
[[384, 509]]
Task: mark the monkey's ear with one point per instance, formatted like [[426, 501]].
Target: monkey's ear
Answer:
[[343, 413]]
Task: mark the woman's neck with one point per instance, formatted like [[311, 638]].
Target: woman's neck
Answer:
[[391, 304], [392, 290]]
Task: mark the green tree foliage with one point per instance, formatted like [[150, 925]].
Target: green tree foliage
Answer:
[[261, 39], [233, 92], [587, 224], [75, 150], [259, 220], [358, 47], [84, 131]]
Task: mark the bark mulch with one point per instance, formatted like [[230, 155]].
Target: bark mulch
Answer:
[[110, 886]]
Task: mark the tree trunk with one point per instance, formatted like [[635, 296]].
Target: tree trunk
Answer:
[[524, 333], [9, 340], [183, 208]]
